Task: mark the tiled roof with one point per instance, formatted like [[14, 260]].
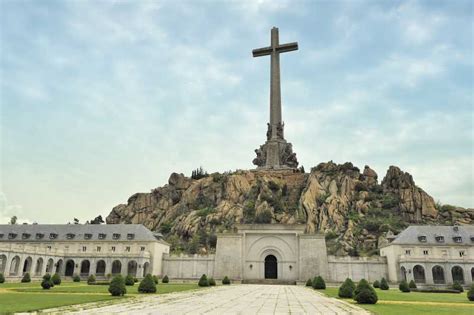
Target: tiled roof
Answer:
[[428, 234], [71, 232]]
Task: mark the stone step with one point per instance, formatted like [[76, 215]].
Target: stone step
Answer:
[[268, 281]]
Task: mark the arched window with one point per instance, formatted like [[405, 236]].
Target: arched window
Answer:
[[146, 268], [27, 265], [15, 266], [59, 266], [438, 275], [39, 266], [3, 263], [69, 268], [132, 268], [116, 267], [85, 268], [403, 273], [472, 274], [49, 266], [419, 274], [100, 268], [458, 274]]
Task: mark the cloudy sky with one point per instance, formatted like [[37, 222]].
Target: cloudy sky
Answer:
[[102, 99]]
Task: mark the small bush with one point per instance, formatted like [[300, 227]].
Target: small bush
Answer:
[[155, 279], [362, 284], [403, 286], [470, 293], [309, 283], [365, 293], [457, 286], [412, 285], [91, 279], [376, 284], [346, 290], [76, 278], [318, 283], [129, 280], [212, 282], [26, 278], [56, 278], [165, 279], [2, 278], [135, 279], [203, 282], [47, 283], [384, 284], [147, 285], [117, 286], [226, 280]]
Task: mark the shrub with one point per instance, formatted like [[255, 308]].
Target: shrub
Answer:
[[384, 284], [117, 286], [412, 285], [76, 278], [155, 279], [135, 279], [470, 293], [309, 283], [346, 290], [362, 284], [165, 279], [203, 282], [147, 285], [47, 283], [129, 280], [458, 286], [226, 280], [403, 286], [264, 216], [212, 282], [376, 284], [365, 293], [26, 278], [56, 278], [318, 283], [91, 279], [2, 278]]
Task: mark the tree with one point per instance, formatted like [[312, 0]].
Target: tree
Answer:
[[318, 283], [97, 220], [13, 220], [129, 280], [376, 284], [412, 285], [46, 284], [199, 173], [165, 279], [365, 293], [203, 282], [26, 277], [403, 286], [76, 221], [346, 290], [384, 284], [147, 285], [470, 293], [117, 286], [56, 278]]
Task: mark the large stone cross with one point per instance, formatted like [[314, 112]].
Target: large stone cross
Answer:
[[275, 95]]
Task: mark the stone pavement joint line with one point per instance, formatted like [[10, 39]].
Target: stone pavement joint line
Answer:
[[234, 299]]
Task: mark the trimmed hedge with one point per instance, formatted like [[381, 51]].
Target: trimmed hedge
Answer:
[[384, 284], [56, 278], [2, 278], [203, 282], [376, 284], [165, 279], [226, 280], [403, 286], [470, 293], [117, 286], [435, 290], [26, 278], [346, 290], [212, 282], [147, 285], [76, 278], [458, 286], [412, 285], [91, 279], [309, 283], [129, 280], [318, 283], [365, 293], [47, 283]]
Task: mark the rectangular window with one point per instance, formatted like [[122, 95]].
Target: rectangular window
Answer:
[[98, 248], [425, 252], [127, 249], [48, 247], [142, 248], [407, 252], [113, 248], [462, 253], [84, 248]]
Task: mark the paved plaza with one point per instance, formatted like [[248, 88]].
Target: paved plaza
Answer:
[[234, 299]]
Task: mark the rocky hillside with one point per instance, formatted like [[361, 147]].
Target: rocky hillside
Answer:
[[351, 207]]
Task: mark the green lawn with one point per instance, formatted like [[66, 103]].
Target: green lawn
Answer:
[[394, 302], [24, 297]]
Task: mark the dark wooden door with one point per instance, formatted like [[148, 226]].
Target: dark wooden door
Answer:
[[271, 267]]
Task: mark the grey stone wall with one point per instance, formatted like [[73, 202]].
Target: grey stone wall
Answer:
[[228, 260], [188, 267], [356, 268], [312, 257]]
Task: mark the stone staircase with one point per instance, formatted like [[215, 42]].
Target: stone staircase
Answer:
[[269, 281]]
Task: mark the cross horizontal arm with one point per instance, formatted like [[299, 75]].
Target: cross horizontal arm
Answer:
[[262, 51], [287, 47]]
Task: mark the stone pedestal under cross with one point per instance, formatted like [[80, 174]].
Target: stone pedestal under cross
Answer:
[[276, 153]]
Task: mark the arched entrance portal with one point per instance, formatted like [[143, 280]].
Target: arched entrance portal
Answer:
[[69, 268], [271, 267]]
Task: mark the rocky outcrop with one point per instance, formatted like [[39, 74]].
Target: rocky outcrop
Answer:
[[351, 207]]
